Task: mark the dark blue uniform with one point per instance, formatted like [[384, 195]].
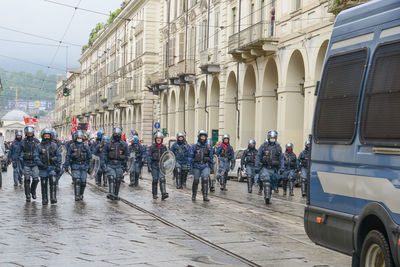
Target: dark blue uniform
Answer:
[[201, 160], [248, 160], [153, 161], [48, 159], [181, 151], [114, 157], [14, 157], [226, 162], [140, 153]]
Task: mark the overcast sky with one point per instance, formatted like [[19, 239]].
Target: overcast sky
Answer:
[[47, 19]]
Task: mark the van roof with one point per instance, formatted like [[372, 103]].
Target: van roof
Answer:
[[365, 15]]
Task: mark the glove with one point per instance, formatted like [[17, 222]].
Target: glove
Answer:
[[257, 171], [280, 171], [58, 170], [149, 169], [66, 169], [125, 169], [14, 164]]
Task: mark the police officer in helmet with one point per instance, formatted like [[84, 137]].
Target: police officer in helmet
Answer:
[[14, 158], [248, 160], [114, 156], [78, 159], [181, 151], [304, 165], [289, 173], [226, 161], [201, 161], [269, 163], [48, 158], [26, 150], [153, 161], [140, 153]]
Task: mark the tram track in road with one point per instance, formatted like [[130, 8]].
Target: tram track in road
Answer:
[[188, 233]]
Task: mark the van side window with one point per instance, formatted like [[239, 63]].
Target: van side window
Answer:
[[380, 119], [339, 97]]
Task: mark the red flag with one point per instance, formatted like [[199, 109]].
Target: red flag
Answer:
[[123, 137], [30, 121]]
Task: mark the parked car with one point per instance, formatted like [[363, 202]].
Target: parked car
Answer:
[[238, 172]]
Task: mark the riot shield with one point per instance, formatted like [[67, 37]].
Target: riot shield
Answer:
[[131, 162], [94, 166], [215, 164], [167, 163], [63, 152]]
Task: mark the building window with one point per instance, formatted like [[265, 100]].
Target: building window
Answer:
[[181, 46], [380, 122], [338, 98], [297, 4]]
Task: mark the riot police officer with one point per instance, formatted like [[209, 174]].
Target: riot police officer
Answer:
[[226, 161], [140, 152], [26, 150], [153, 161], [48, 158], [249, 160], [54, 139], [181, 151], [115, 155], [14, 158], [97, 149], [201, 161], [269, 163], [98, 141], [78, 158], [290, 169], [303, 164]]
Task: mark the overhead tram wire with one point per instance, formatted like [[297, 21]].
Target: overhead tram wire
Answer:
[[30, 62], [62, 38], [39, 36], [30, 43]]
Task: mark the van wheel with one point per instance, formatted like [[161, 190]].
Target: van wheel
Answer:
[[240, 176], [375, 251]]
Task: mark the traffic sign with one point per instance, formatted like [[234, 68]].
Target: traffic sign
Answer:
[[157, 125], [37, 104]]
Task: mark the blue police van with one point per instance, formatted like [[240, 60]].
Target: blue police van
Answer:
[[353, 203]]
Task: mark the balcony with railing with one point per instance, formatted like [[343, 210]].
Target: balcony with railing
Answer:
[[256, 40], [209, 62], [335, 6]]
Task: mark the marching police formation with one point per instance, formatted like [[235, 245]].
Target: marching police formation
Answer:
[[108, 159]]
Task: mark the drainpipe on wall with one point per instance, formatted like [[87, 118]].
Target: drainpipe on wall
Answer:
[[237, 78], [208, 41], [167, 52]]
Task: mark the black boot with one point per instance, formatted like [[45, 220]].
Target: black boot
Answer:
[[132, 178], [267, 192], [104, 179], [184, 178], [291, 188], [204, 189], [249, 184], [194, 189], [98, 179], [224, 180], [77, 189], [43, 184], [212, 185], [284, 186], [83, 186], [303, 188], [111, 185], [179, 180], [53, 189], [116, 188], [164, 194], [136, 183], [260, 187], [27, 187], [154, 189], [221, 182], [34, 184]]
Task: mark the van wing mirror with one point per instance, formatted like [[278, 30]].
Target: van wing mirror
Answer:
[[317, 88]]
